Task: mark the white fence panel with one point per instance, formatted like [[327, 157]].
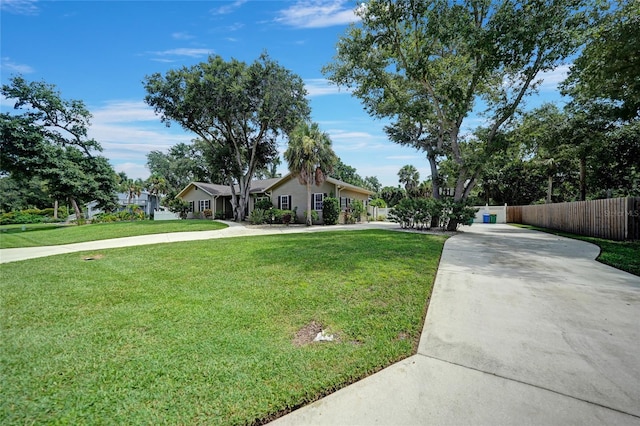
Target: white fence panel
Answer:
[[165, 215]]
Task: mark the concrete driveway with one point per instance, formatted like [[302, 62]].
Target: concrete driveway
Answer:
[[523, 328]]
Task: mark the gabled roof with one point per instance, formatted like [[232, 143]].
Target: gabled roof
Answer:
[[260, 186], [340, 184], [215, 190]]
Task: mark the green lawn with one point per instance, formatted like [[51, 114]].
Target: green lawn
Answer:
[[624, 255], [12, 236], [203, 332]]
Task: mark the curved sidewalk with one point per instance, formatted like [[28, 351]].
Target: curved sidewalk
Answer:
[[523, 327], [234, 230]]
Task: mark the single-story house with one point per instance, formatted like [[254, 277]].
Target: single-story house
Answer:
[[285, 193]]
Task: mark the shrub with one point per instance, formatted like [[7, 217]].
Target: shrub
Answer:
[[357, 210], [258, 217], [32, 216], [330, 210], [314, 216], [179, 206], [461, 212], [264, 204], [403, 213], [207, 213]]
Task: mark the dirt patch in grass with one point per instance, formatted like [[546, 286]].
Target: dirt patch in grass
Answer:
[[96, 256], [306, 334]]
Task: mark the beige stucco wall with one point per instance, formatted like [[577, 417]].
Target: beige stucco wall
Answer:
[[219, 204], [299, 196]]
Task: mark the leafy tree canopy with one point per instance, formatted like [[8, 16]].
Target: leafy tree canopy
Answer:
[[239, 110], [608, 68], [48, 140], [425, 64]]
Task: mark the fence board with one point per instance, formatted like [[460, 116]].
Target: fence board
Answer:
[[613, 219]]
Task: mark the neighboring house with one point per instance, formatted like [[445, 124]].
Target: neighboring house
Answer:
[[145, 201], [285, 193]]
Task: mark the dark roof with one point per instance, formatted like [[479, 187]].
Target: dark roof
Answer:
[[260, 186]]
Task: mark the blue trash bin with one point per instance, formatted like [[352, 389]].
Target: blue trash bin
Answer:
[[486, 218]]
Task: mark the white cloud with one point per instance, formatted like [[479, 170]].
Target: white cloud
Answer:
[[182, 36], [229, 8], [133, 170], [551, 79], [128, 131], [20, 7], [184, 51], [322, 86], [9, 66], [318, 14], [124, 112]]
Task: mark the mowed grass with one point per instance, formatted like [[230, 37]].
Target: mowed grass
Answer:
[[203, 332], [623, 255], [12, 236]]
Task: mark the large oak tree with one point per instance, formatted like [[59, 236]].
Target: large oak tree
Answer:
[[49, 140], [427, 65], [239, 109]]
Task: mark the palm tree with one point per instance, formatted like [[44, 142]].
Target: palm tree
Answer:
[[409, 176], [134, 188], [156, 185], [310, 157]]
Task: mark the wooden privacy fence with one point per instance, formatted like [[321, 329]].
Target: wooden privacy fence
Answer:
[[613, 219]]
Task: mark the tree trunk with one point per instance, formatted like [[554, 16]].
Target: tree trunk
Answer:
[[309, 219], [55, 209], [583, 178], [79, 218], [549, 188], [452, 225]]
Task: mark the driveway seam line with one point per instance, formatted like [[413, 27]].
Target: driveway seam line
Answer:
[[530, 384]]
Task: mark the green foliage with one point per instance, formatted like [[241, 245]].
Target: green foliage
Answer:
[[418, 213], [23, 194], [608, 68], [32, 216], [49, 141], [238, 110], [264, 204], [278, 216], [392, 195], [83, 341], [315, 218], [182, 164], [347, 174], [357, 210], [258, 216], [378, 202], [177, 205], [330, 210], [310, 158], [425, 64], [456, 212]]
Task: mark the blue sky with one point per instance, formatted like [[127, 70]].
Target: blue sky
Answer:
[[101, 51]]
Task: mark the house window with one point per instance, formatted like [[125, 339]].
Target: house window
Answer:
[[345, 203], [317, 201], [205, 205], [284, 202], [191, 206]]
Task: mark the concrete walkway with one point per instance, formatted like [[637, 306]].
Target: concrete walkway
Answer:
[[234, 230], [523, 328]]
